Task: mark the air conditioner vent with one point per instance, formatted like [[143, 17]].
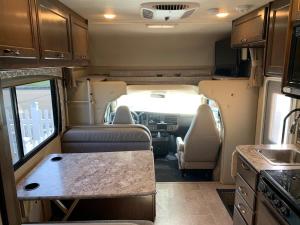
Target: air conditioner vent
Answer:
[[171, 120], [168, 11], [170, 7], [188, 13], [147, 14]]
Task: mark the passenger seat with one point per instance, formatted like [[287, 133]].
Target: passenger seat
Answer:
[[201, 145]]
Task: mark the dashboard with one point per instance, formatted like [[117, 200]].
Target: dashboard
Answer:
[[159, 121]]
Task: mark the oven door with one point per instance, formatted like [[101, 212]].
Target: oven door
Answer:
[[266, 214]]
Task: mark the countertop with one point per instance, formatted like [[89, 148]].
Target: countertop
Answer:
[[249, 152], [91, 175]]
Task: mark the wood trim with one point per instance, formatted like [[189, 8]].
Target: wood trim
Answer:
[[7, 172]]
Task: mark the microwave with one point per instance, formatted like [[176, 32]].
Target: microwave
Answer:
[[292, 84]]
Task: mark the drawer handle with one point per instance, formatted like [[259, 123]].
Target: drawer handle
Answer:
[[241, 208], [242, 191], [245, 167], [244, 40]]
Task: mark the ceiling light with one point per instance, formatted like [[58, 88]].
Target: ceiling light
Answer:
[[243, 8], [213, 11], [161, 26], [109, 16], [222, 14]]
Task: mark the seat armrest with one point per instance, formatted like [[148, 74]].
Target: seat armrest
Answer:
[[180, 144]]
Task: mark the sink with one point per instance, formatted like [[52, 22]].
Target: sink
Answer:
[[281, 157]]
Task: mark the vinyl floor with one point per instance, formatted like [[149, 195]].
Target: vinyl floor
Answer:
[[196, 203]]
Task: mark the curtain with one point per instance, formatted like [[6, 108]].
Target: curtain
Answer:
[[256, 75]]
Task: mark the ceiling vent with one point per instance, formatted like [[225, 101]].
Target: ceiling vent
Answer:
[[168, 11]]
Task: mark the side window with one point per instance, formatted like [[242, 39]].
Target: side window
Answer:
[[11, 124], [31, 118]]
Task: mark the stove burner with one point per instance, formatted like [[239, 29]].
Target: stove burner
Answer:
[[288, 180]]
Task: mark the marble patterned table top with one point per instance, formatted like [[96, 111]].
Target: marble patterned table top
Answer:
[[91, 175], [249, 152]]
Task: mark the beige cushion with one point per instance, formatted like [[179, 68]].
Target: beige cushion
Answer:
[[200, 147], [106, 138]]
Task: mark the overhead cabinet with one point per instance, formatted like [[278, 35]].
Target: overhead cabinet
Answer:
[[18, 34], [44, 30], [54, 29], [296, 10], [277, 37], [79, 38], [250, 30]]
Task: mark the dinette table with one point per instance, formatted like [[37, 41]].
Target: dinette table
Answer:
[[77, 176]]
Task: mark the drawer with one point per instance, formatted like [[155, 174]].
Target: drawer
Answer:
[[237, 218], [243, 208], [247, 172], [245, 191]]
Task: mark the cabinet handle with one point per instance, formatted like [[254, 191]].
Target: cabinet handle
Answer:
[[245, 167], [61, 55], [242, 191], [7, 51], [17, 52], [241, 208], [244, 40], [12, 52]]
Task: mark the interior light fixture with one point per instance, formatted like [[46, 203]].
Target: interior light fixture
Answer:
[[109, 16], [222, 14], [218, 12], [243, 8], [160, 26]]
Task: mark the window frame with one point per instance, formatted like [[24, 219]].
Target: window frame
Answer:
[[56, 121]]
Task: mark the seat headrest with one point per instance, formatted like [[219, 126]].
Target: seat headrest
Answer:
[[123, 116]]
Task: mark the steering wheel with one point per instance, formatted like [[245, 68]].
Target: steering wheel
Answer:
[[135, 117]]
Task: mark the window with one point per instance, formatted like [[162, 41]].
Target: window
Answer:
[[277, 107], [31, 118]]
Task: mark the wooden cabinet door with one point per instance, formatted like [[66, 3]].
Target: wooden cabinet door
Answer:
[[296, 10], [79, 39], [18, 36], [54, 30], [277, 37], [249, 29]]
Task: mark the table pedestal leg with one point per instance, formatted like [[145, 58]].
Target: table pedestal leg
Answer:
[[65, 210]]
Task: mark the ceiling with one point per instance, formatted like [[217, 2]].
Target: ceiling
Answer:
[[128, 16]]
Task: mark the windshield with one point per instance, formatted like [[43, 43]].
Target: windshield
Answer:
[[161, 102]]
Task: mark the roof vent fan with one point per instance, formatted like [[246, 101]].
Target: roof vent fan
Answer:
[[168, 11]]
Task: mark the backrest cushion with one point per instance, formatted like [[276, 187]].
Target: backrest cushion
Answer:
[[202, 140], [106, 138]]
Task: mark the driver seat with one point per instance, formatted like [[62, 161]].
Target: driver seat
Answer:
[[123, 116]]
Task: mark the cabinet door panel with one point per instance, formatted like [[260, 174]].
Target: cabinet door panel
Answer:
[[18, 29], [79, 39], [296, 10], [277, 37], [249, 28], [54, 32]]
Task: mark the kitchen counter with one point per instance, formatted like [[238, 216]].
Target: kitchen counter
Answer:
[[249, 153]]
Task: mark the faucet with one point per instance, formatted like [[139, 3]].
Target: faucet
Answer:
[[294, 125]]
